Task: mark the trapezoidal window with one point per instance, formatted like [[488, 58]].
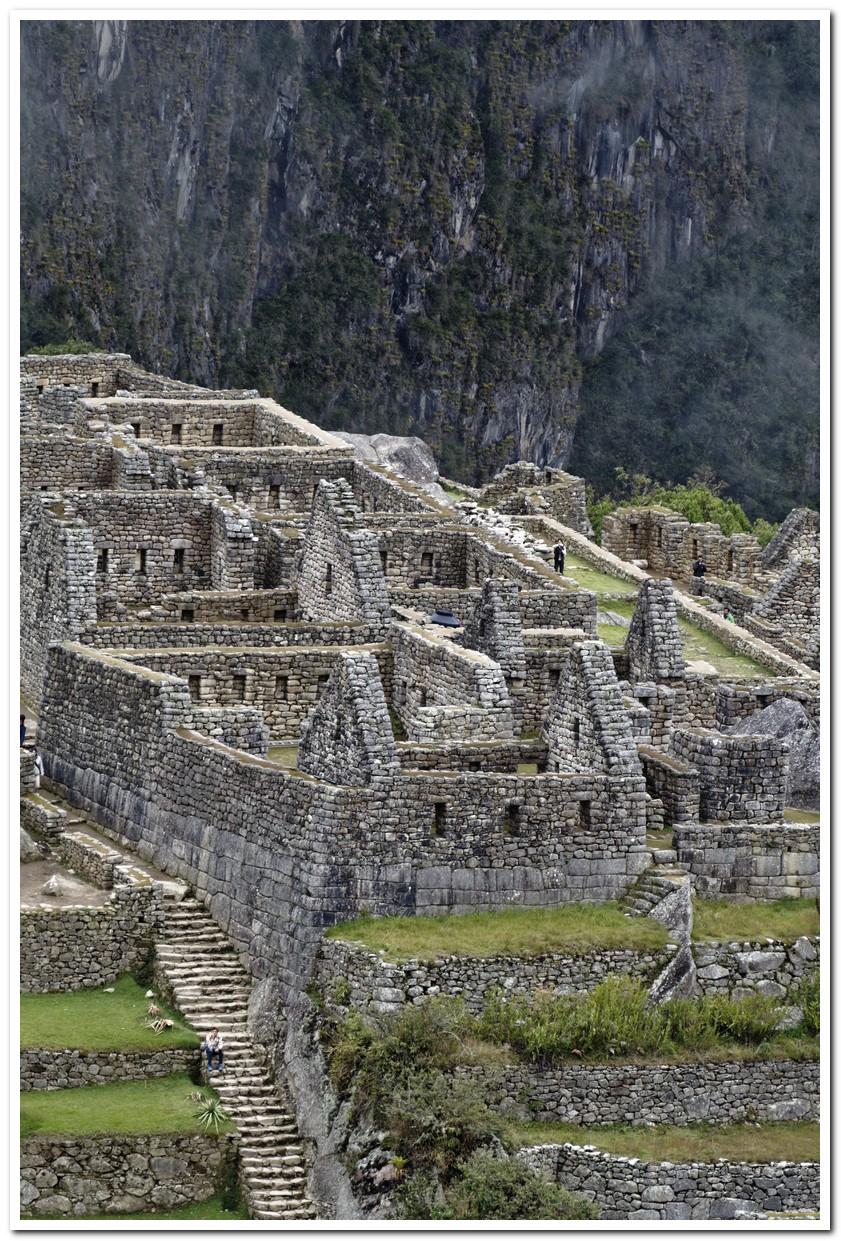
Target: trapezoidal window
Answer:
[[322, 682], [584, 816], [281, 689], [384, 561], [218, 432], [238, 687], [233, 490], [280, 614], [175, 433], [426, 562], [328, 580], [438, 826], [274, 495], [576, 732], [422, 697], [102, 560], [188, 614], [244, 614], [178, 560], [194, 686], [512, 819], [730, 560], [135, 426], [94, 389], [633, 530], [141, 561]]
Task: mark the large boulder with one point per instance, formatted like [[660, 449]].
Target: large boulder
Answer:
[[30, 850], [787, 721], [404, 454]]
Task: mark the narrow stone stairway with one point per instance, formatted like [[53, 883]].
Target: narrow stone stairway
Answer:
[[210, 987], [652, 886]]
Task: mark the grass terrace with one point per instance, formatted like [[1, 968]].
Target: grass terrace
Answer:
[[575, 929], [154, 1105], [211, 1208], [784, 920], [99, 1020], [798, 1141]]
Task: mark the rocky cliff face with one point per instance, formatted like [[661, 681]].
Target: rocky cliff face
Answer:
[[420, 227]]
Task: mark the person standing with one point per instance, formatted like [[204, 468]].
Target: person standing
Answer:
[[560, 556], [699, 568], [212, 1046], [22, 729]]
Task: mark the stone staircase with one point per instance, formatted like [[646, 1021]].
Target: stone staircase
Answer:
[[210, 987], [654, 885]]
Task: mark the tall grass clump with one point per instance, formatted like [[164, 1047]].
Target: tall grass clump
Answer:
[[807, 995], [618, 1019]]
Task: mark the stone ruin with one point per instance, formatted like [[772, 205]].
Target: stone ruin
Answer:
[[227, 630], [773, 592], [208, 580]]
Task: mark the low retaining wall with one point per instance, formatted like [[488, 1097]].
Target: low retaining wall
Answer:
[[770, 967], [663, 1094], [628, 1189], [41, 817], [383, 985], [69, 949], [61, 1070], [63, 1177], [756, 861]]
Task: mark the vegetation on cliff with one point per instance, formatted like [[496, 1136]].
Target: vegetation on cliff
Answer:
[[496, 235]]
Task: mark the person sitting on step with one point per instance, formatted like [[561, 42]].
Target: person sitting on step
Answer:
[[212, 1046]]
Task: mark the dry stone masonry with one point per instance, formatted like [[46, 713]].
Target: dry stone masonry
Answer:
[[235, 630]]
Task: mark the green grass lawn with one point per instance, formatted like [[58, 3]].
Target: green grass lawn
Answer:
[[791, 815], [700, 645], [508, 932], [696, 643], [613, 635], [154, 1105], [785, 920], [283, 755], [211, 1208], [768, 1143], [95, 1020]]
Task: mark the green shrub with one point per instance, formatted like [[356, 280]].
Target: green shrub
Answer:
[[751, 1020], [490, 1188], [67, 346], [618, 1019], [807, 995], [434, 1119]]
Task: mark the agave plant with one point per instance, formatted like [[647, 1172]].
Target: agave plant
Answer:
[[210, 1113]]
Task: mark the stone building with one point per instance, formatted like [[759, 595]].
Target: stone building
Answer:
[[210, 584]]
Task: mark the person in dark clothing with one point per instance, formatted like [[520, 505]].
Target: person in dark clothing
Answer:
[[22, 729], [560, 556], [699, 568]]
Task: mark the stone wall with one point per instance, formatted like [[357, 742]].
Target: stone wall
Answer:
[[664, 1094], [79, 369], [670, 544], [278, 856], [626, 1189], [270, 480], [41, 817], [144, 636], [65, 1177], [742, 778], [57, 586], [442, 692], [74, 947], [676, 784], [761, 862], [87, 856], [737, 702], [736, 599], [65, 463], [282, 684], [789, 612], [769, 967], [654, 644], [383, 985], [340, 574], [586, 726], [63, 1070], [799, 535], [521, 486]]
